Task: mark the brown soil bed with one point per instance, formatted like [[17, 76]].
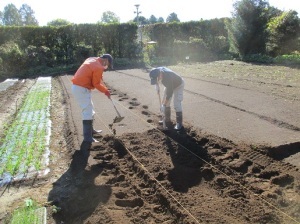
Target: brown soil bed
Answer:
[[153, 177]]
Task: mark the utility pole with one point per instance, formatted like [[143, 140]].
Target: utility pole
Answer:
[[137, 21], [137, 13]]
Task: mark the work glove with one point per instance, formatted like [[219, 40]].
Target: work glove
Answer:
[[163, 109], [107, 93]]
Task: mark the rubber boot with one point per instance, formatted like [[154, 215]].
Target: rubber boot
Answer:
[[178, 125], [88, 131], [94, 130]]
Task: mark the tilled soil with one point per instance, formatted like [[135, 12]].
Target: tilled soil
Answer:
[[155, 176]]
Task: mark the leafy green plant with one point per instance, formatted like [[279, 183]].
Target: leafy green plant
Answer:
[[27, 214]]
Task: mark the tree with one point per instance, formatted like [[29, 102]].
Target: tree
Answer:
[[142, 20], [11, 16], [27, 15], [246, 30], [160, 20], [1, 18], [172, 18], [273, 12], [59, 22], [152, 19], [283, 31], [109, 17]]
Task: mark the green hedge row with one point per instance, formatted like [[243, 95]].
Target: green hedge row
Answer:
[[29, 51], [25, 49], [197, 40]]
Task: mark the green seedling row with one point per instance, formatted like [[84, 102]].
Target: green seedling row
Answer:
[[26, 140]]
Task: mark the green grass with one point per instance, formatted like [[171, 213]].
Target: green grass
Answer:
[[30, 213]]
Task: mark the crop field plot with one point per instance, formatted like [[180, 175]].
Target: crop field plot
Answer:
[[138, 173], [25, 148], [187, 177]]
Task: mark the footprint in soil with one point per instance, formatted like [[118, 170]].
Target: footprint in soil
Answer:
[[103, 157], [145, 112], [120, 195], [283, 180], [130, 202], [123, 98], [98, 148], [134, 103], [268, 174]]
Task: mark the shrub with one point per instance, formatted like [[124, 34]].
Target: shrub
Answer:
[[258, 58], [82, 52], [11, 54], [292, 59]]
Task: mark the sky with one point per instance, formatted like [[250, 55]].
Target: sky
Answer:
[[91, 11]]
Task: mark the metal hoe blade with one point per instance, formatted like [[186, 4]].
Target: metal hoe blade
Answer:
[[118, 118]]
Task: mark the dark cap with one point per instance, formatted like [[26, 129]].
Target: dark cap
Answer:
[[154, 73], [110, 60]]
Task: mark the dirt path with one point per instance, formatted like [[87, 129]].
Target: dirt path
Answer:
[[144, 175]]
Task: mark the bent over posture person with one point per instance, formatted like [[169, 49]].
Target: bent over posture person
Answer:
[[174, 85], [88, 77]]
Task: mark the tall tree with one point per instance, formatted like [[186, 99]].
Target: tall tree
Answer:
[[11, 16], [27, 15], [109, 17], [1, 18], [160, 20], [152, 19], [142, 20], [283, 33], [246, 29], [59, 22], [172, 18]]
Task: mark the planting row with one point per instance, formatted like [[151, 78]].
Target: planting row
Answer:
[[24, 148]]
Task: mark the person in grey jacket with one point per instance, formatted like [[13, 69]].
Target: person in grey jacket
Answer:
[[173, 85]]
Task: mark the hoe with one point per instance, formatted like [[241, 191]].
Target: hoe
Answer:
[[118, 118]]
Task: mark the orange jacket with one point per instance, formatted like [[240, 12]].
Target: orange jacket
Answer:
[[89, 75]]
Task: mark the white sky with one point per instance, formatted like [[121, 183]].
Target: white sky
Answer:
[[90, 11]]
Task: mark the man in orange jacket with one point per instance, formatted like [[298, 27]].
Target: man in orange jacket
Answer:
[[88, 77]]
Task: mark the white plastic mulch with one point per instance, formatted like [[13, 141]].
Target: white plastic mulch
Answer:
[[7, 83], [31, 121]]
